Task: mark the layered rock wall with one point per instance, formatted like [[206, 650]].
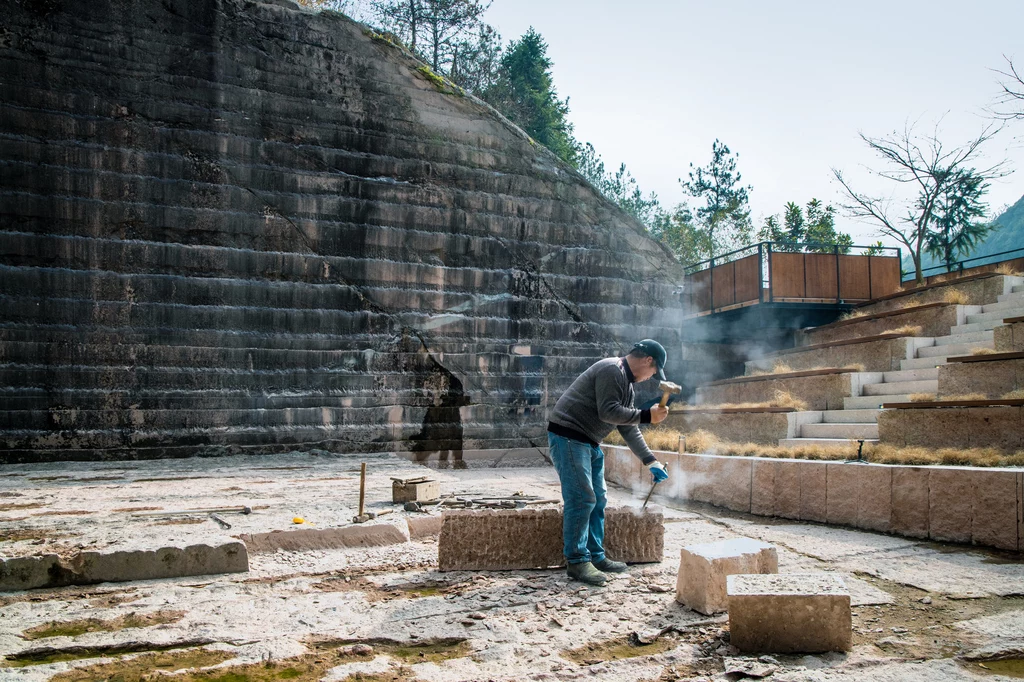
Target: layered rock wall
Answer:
[[237, 227]]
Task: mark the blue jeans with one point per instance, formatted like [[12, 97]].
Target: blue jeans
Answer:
[[580, 468]]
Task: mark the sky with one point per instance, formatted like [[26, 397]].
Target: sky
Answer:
[[788, 85]]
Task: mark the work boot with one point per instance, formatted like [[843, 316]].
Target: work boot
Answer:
[[586, 573], [606, 565]]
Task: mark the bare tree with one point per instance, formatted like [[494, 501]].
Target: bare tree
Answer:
[[1012, 96], [436, 30], [929, 168]]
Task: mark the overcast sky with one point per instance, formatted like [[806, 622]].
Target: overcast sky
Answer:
[[787, 84]]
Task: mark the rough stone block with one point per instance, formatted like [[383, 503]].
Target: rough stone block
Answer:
[[860, 495], [700, 583], [994, 516], [813, 491], [424, 526], [532, 538], [789, 613], [909, 502], [27, 573], [166, 562], [1020, 512], [787, 490], [762, 491], [363, 535], [730, 482], [994, 427], [422, 491], [949, 505]]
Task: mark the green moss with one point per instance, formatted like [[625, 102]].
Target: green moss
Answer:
[[74, 628], [440, 82], [617, 649], [126, 670]]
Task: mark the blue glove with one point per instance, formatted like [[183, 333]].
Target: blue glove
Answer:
[[658, 471]]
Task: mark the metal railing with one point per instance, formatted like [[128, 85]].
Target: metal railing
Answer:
[[958, 267]]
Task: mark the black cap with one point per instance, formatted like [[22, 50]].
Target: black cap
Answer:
[[652, 348]]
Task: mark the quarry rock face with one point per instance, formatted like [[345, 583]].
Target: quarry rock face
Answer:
[[233, 227]]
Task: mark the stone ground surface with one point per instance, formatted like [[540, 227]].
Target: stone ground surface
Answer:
[[919, 608]]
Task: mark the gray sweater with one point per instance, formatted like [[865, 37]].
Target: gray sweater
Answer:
[[601, 399]]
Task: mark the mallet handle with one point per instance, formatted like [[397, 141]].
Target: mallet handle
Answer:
[[664, 399]]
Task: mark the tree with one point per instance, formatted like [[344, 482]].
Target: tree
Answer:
[[928, 168], [620, 187], [724, 217], [435, 30], [676, 230], [525, 93], [814, 230], [476, 61], [955, 216], [1012, 96]]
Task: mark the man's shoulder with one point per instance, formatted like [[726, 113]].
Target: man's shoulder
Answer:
[[607, 365]]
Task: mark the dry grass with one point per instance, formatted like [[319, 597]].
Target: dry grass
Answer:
[[787, 399], [905, 330], [1007, 269], [956, 296], [852, 315], [922, 397], [782, 368], [705, 442], [983, 351], [1013, 395]]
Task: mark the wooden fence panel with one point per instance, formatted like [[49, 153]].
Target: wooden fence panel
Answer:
[[723, 278], [748, 279], [700, 291], [820, 275], [885, 275], [854, 278], [787, 279]]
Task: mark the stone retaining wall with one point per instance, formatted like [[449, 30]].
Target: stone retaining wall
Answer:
[[934, 321], [739, 427], [950, 504], [820, 392], [877, 355], [993, 378], [999, 427], [980, 289], [1009, 337]]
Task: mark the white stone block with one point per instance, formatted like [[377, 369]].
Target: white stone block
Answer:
[[789, 613], [700, 584]]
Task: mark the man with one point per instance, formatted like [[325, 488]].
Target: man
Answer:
[[600, 400]]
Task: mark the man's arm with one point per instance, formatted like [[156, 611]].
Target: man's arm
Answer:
[[611, 397], [635, 440]]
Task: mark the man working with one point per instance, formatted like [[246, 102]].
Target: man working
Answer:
[[600, 400]]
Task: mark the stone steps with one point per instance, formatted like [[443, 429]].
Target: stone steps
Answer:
[[1004, 302], [849, 430], [864, 402], [968, 336], [921, 374], [850, 416], [952, 349], [995, 318], [923, 363], [901, 387]]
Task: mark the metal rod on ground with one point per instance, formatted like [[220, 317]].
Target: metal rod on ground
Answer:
[[193, 512], [362, 487], [649, 495]]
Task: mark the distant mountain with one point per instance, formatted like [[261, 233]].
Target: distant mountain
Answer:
[[1007, 236]]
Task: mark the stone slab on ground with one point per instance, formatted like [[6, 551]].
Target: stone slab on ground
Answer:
[[532, 538], [89, 567], [361, 535], [789, 613], [703, 568]]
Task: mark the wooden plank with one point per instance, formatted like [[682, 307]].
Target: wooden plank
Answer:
[[748, 279], [723, 278], [988, 357], [784, 375], [730, 410], [787, 275], [821, 275], [885, 276], [854, 278], [935, 404], [699, 290]]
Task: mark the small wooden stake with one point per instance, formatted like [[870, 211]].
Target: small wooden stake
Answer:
[[362, 486]]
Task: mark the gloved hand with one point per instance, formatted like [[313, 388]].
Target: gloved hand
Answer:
[[658, 471]]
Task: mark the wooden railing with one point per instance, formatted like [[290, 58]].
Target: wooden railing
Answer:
[[761, 273]]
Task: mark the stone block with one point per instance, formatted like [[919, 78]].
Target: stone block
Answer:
[[789, 613], [424, 526], [949, 505], [420, 491], [909, 502], [813, 491], [362, 535], [1020, 512], [787, 490], [532, 538], [27, 573], [730, 482], [994, 512], [994, 427], [167, 562], [700, 583], [762, 491], [860, 495], [993, 378]]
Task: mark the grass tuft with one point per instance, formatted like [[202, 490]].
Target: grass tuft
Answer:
[[905, 330], [1007, 269], [922, 397], [956, 296], [983, 351], [1014, 395]]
